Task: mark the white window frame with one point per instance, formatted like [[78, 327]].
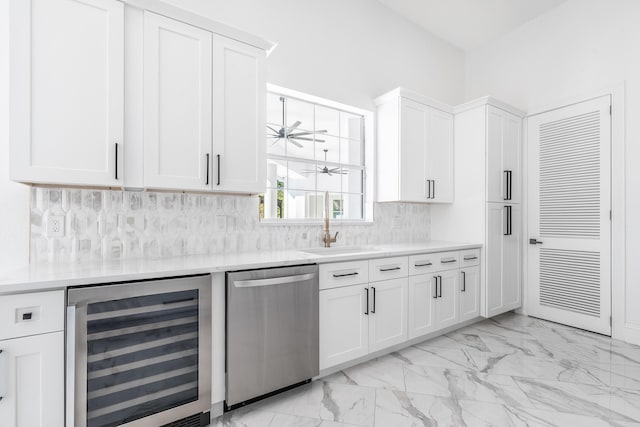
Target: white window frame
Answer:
[[369, 159]]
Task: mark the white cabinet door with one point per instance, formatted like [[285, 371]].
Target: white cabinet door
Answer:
[[388, 315], [469, 293], [32, 382], [422, 297], [511, 260], [447, 310], [414, 119], [493, 292], [67, 88], [344, 325], [440, 156], [239, 99], [178, 77], [503, 156]]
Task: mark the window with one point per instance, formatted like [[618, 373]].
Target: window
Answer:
[[315, 156]]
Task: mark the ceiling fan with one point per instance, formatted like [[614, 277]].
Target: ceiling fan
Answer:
[[288, 132], [326, 169]]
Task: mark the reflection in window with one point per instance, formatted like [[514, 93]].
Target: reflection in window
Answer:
[[313, 149]]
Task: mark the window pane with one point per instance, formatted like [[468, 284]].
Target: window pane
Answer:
[[276, 173], [275, 144], [328, 119], [301, 148], [331, 180], [274, 203], [332, 146], [352, 206], [302, 176], [302, 205], [350, 152], [352, 181], [299, 111], [350, 126], [274, 110]]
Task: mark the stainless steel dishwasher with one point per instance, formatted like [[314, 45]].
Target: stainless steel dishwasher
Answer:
[[272, 331]]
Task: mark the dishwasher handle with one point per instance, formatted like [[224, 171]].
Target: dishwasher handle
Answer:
[[273, 281]]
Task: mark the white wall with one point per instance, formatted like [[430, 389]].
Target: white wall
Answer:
[[348, 51], [14, 198], [576, 49]]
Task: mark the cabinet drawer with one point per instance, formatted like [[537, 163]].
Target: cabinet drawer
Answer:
[[447, 261], [423, 263], [29, 314], [343, 274], [388, 268], [469, 257]]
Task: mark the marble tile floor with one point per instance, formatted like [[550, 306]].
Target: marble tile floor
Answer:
[[511, 370]]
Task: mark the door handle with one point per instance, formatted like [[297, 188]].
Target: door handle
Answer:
[[355, 273], [428, 189], [207, 177], [373, 310], [273, 281], [534, 242], [464, 281], [433, 194], [422, 265], [435, 287], [390, 269], [116, 161], [440, 289], [508, 220], [510, 183], [367, 298], [218, 169]]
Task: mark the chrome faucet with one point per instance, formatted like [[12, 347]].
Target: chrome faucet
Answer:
[[327, 239]]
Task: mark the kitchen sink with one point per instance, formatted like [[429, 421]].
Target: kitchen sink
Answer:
[[344, 250]]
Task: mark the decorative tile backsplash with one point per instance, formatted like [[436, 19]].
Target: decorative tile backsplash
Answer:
[[81, 225]]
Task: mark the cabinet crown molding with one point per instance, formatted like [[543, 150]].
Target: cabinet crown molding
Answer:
[[414, 96], [174, 12], [488, 100]]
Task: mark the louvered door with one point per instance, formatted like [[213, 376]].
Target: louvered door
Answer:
[[569, 215]]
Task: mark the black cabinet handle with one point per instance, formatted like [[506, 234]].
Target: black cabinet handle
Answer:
[[27, 316], [464, 281], [435, 287], [433, 194], [506, 185], [355, 273], [510, 183], [423, 265], [508, 220], [367, 297], [207, 176], [390, 269], [428, 188], [535, 242], [218, 169], [116, 161], [373, 310], [470, 258], [447, 261], [440, 289]]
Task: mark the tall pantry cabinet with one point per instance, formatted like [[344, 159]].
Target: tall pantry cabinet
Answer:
[[487, 178]]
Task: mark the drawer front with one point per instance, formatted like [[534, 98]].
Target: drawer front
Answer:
[[29, 314], [388, 268], [340, 274], [469, 257], [447, 261], [423, 263]]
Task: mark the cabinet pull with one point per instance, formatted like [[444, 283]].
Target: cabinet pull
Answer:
[[470, 258], [422, 265], [355, 273], [510, 183], [433, 193], [508, 220], [207, 176], [390, 269], [116, 162], [435, 287], [447, 261], [428, 189], [27, 316], [464, 281], [218, 169], [506, 184], [373, 310], [3, 375], [440, 284], [367, 298]]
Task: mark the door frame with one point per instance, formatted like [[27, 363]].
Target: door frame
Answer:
[[619, 329]]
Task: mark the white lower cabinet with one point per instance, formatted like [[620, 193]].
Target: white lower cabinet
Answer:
[[32, 381], [469, 293], [388, 313], [344, 324], [357, 319]]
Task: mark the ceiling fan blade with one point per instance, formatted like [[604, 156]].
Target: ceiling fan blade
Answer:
[[274, 130], [297, 134], [296, 143], [320, 140], [293, 126], [322, 131], [301, 138]]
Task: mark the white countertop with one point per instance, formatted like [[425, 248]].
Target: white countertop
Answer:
[[60, 276]]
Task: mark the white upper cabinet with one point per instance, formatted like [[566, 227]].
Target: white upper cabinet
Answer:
[[239, 128], [67, 87], [503, 156], [414, 149], [178, 76]]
